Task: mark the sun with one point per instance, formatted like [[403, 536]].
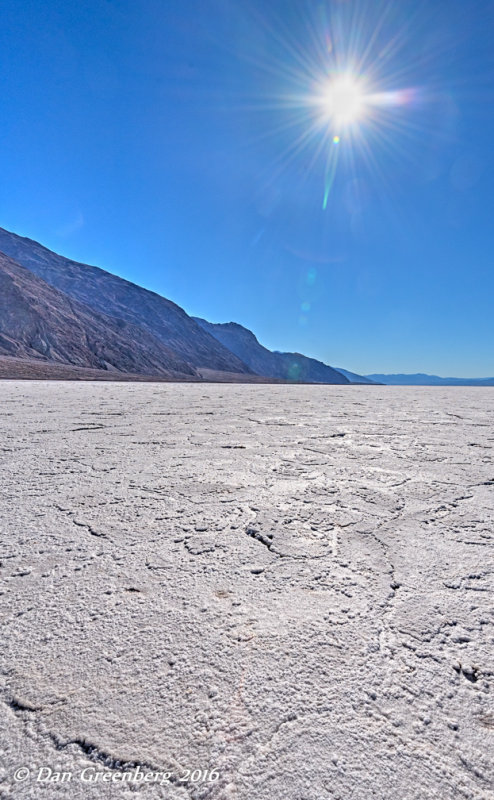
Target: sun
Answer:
[[343, 100]]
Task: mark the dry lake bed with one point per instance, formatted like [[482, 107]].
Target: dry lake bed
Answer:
[[246, 592]]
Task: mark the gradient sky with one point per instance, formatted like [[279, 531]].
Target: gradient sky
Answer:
[[159, 140]]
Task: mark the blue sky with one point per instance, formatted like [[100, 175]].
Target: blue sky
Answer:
[[159, 140]]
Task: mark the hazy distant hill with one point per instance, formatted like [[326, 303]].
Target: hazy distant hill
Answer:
[[39, 322], [118, 298], [354, 378], [420, 379], [287, 366]]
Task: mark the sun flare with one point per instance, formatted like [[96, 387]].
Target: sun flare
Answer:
[[344, 93]]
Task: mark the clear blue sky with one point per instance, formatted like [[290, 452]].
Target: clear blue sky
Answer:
[[158, 139]]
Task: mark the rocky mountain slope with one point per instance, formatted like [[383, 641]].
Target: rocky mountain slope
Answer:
[[39, 322], [285, 366], [124, 301]]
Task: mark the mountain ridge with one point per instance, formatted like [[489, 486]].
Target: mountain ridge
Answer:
[[84, 316]]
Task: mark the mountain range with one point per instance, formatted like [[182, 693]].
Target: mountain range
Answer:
[[58, 312], [421, 379], [63, 319]]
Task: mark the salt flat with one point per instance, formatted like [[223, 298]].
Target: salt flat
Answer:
[[291, 585]]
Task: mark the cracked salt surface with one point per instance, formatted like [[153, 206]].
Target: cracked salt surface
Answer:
[[302, 600]]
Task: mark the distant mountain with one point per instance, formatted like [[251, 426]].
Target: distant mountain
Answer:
[[39, 322], [125, 301], [420, 379], [354, 378], [285, 366]]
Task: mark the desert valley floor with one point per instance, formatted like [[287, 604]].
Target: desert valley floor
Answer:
[[290, 585]]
